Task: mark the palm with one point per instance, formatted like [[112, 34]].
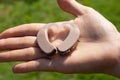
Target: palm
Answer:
[[94, 48]]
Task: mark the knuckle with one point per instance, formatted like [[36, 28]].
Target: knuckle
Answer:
[[2, 43], [8, 31], [90, 9], [28, 53]]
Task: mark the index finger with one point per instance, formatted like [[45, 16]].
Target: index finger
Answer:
[[22, 30]]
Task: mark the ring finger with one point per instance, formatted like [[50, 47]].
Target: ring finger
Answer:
[[22, 55]]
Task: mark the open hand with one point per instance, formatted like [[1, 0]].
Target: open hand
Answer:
[[97, 51]]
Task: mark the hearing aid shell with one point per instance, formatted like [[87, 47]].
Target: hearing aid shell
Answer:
[[62, 49], [70, 41]]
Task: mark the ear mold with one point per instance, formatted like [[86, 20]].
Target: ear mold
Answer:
[[65, 47]]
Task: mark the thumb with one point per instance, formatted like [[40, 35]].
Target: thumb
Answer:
[[72, 6]]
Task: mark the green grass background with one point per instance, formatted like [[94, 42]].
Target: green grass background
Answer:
[[16, 12]]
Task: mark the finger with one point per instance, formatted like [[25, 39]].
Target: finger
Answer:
[[18, 43], [21, 55], [22, 30], [36, 65], [72, 6]]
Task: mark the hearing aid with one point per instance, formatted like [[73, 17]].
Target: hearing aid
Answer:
[[44, 43], [70, 42], [65, 47]]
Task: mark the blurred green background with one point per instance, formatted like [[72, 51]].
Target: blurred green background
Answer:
[[16, 12]]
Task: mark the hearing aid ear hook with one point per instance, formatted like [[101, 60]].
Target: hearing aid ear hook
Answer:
[[64, 47]]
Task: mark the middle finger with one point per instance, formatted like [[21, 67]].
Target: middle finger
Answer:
[[18, 43]]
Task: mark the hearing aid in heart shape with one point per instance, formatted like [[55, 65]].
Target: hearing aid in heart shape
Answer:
[[65, 47]]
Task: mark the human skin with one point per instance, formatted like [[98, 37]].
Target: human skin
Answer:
[[97, 52]]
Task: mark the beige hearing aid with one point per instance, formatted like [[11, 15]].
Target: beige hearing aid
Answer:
[[43, 41], [70, 41], [62, 49]]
